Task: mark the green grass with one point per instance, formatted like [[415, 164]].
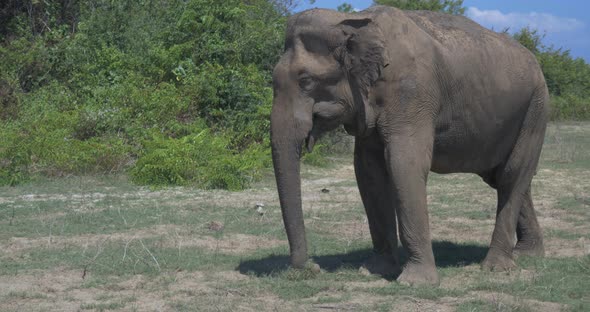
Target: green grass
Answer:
[[490, 306], [25, 295], [423, 292], [562, 280], [102, 306]]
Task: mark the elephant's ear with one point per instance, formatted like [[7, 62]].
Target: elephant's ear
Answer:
[[362, 54]]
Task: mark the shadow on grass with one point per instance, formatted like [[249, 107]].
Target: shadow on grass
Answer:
[[447, 254]]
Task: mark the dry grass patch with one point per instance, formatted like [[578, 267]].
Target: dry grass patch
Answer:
[[507, 302], [171, 236]]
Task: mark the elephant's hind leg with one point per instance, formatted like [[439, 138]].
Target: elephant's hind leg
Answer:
[[513, 180], [528, 232], [373, 183]]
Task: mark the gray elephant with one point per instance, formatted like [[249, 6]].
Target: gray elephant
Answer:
[[420, 91]]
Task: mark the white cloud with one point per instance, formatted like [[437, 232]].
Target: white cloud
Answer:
[[516, 21]]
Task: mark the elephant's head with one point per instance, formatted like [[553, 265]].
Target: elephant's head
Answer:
[[324, 79]]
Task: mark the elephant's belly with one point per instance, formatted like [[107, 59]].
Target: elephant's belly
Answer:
[[476, 150]]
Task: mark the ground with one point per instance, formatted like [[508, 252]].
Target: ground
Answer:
[[101, 243]]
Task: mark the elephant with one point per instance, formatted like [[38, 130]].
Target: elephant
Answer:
[[420, 91]]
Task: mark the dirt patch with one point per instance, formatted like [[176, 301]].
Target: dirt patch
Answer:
[[366, 285], [202, 283], [401, 303], [170, 236], [348, 231], [232, 243], [19, 292], [214, 291], [18, 244], [501, 300], [64, 290], [472, 275], [459, 230], [407, 303], [559, 248]]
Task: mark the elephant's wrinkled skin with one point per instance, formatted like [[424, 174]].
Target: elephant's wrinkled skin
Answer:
[[421, 91]]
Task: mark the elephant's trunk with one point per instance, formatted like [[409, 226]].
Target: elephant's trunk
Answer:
[[287, 135]]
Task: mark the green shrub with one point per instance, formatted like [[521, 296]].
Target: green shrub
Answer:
[[570, 107], [176, 92], [236, 171], [8, 101], [202, 159], [14, 156], [568, 78], [51, 150], [231, 98], [62, 156], [317, 157]]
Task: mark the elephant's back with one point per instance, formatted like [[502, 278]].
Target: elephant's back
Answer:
[[460, 36], [450, 30], [444, 27]]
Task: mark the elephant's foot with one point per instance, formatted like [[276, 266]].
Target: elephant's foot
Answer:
[[381, 264], [419, 274], [497, 261], [532, 247]]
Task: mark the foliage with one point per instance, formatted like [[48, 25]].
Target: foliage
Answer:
[[446, 6], [529, 38], [345, 7], [108, 86], [568, 79], [202, 158], [42, 140], [570, 107], [316, 157]]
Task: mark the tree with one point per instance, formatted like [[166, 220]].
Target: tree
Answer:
[[563, 73], [529, 38], [345, 7], [447, 6], [38, 16]]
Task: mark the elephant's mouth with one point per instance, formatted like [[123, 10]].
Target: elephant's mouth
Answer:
[[327, 116]]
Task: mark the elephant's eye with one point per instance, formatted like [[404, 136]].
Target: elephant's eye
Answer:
[[306, 83]]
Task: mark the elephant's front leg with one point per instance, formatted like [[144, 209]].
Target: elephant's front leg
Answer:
[[374, 186], [409, 158]]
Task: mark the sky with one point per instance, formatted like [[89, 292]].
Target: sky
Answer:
[[565, 23]]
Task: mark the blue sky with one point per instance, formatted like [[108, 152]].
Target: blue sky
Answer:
[[566, 23]]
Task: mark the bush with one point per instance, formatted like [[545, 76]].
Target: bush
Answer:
[[202, 159], [52, 152], [570, 107], [317, 157], [8, 101], [14, 156], [230, 98], [568, 79]]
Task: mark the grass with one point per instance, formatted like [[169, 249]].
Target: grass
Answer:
[[101, 243]]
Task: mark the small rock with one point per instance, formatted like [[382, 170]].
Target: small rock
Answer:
[[215, 226], [325, 190], [258, 207]]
